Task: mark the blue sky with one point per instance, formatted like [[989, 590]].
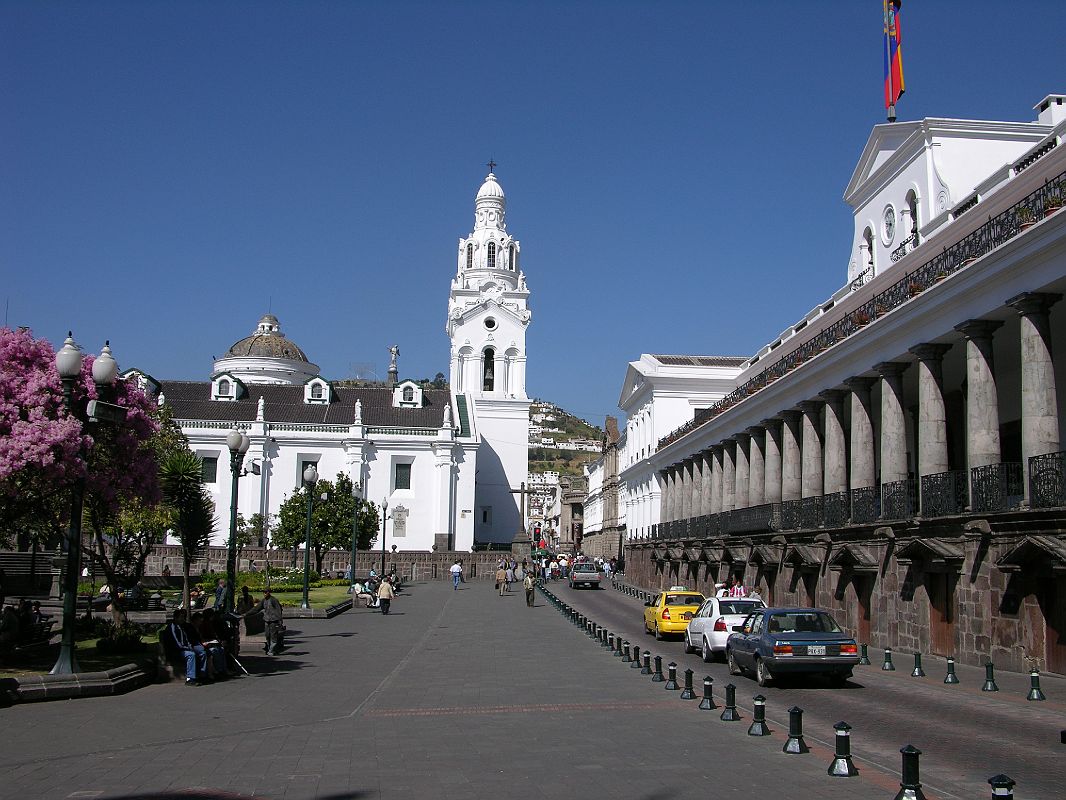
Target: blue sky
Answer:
[[674, 170]]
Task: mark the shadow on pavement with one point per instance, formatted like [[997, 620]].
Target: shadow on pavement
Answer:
[[217, 794]]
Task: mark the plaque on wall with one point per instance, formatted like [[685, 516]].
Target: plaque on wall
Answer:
[[399, 522]]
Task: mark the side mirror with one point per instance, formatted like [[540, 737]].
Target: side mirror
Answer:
[[648, 604], [738, 629]]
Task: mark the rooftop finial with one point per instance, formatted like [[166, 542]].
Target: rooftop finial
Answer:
[[492, 165]]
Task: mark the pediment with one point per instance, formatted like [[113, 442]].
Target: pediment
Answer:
[[884, 142], [932, 551], [852, 558], [803, 556], [1037, 552]]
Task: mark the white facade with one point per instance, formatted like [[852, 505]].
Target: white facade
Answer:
[[487, 318]]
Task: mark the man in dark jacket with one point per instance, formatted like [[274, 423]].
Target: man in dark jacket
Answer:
[[270, 608], [180, 640]]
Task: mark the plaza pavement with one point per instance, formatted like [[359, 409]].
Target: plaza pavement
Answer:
[[455, 695]]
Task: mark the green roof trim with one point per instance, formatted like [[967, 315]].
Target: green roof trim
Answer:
[[464, 416]]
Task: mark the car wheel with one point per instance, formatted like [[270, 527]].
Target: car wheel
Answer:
[[707, 653], [731, 662], [839, 678], [658, 633], [762, 673], [647, 629], [689, 649]]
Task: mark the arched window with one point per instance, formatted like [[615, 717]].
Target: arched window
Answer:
[[512, 258], [470, 256], [408, 394], [316, 391], [492, 255], [223, 388], [488, 374]]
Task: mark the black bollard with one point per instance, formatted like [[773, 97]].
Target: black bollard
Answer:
[[687, 693], [646, 669], [635, 664], [951, 677], [618, 647], [625, 652], [1035, 692], [910, 787], [888, 666], [707, 703], [1002, 787], [609, 641], [657, 673], [729, 713], [918, 672], [758, 718], [990, 679], [795, 743], [864, 657], [842, 766], [671, 680]]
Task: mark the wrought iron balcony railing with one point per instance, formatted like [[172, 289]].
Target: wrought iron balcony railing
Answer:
[[996, 487], [1047, 480], [865, 505], [905, 247], [897, 499], [945, 493]]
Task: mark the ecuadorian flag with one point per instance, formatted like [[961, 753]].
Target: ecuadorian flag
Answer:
[[893, 53]]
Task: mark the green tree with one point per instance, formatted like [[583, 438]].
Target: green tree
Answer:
[[181, 478], [332, 519]]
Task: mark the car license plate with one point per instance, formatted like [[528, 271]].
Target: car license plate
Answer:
[[816, 650], [688, 615]]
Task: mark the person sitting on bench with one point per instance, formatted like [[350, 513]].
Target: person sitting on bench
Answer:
[[180, 641]]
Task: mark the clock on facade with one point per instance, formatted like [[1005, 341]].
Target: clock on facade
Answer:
[[889, 227]]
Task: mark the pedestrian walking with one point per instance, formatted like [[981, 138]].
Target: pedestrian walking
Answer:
[[530, 584], [385, 595], [510, 576], [457, 574], [501, 578], [270, 608]]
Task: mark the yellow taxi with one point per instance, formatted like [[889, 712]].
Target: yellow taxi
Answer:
[[671, 611]]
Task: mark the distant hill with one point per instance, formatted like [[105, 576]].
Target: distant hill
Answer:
[[559, 441]]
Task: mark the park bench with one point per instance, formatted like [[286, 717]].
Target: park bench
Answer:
[[40, 633]]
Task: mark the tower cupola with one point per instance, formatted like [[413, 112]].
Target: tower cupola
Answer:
[[489, 248]]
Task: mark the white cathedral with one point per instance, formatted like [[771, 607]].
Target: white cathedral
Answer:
[[446, 461]]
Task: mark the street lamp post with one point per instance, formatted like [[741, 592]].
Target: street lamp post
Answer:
[[355, 535], [237, 443], [68, 366], [384, 516], [310, 479]]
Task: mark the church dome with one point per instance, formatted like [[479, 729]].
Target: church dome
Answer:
[[490, 189], [267, 342]]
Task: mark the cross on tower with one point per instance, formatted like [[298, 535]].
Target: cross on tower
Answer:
[[492, 165]]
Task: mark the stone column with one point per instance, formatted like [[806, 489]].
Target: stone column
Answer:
[[835, 478], [706, 491], [932, 416], [1040, 421], [772, 461], [982, 402], [695, 503], [729, 474], [664, 503], [716, 479], [740, 495], [756, 468], [811, 473], [862, 473], [791, 471], [685, 500], [893, 425]]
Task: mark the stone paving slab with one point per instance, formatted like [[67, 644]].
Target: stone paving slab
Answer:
[[457, 694]]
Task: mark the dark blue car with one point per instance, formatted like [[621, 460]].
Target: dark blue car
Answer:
[[776, 641]]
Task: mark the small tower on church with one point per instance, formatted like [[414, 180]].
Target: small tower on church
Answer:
[[488, 315]]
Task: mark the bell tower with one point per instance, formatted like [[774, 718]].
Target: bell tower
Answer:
[[488, 313]]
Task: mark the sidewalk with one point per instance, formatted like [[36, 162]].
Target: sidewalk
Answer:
[[456, 694]]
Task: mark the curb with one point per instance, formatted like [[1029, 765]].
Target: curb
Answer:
[[37, 688]]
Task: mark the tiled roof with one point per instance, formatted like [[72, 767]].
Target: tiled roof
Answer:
[[192, 400], [700, 361]]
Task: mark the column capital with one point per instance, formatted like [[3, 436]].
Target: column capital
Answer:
[[790, 417], [1028, 303], [715, 450], [977, 329], [930, 351], [810, 406], [739, 437], [891, 369], [755, 430], [860, 383], [833, 397], [771, 423]]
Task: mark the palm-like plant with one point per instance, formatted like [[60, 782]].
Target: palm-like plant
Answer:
[[181, 479]]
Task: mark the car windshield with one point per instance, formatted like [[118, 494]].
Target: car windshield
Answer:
[[802, 622], [684, 599], [738, 606], [585, 568]]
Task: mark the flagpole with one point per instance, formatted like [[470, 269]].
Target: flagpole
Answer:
[[888, 60]]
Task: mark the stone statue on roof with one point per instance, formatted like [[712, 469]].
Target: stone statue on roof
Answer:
[[259, 409], [447, 416], [394, 352], [358, 420]]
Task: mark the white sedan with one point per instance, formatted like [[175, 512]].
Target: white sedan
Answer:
[[710, 627]]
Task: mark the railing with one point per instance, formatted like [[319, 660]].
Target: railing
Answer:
[[749, 520], [309, 427], [902, 250], [945, 493], [897, 499], [836, 510], [812, 512], [789, 516], [996, 487], [998, 230], [213, 424], [1037, 154], [384, 431], [865, 505], [1047, 480]]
